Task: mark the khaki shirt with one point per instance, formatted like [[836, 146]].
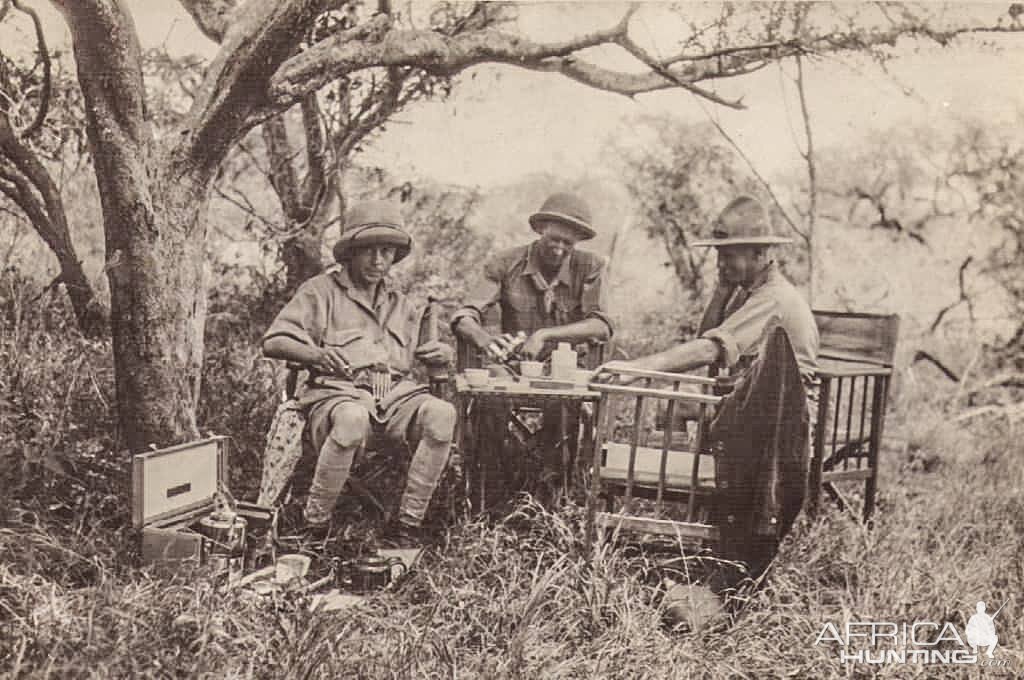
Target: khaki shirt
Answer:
[[749, 313], [514, 284], [328, 311]]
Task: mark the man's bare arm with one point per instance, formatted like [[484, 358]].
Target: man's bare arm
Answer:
[[588, 329], [579, 331], [684, 357], [468, 329]]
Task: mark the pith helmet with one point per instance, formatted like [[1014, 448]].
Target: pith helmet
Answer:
[[567, 209], [743, 222], [373, 223]]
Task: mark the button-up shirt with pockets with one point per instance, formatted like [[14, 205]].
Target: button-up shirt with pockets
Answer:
[[737, 320], [528, 301], [328, 311]]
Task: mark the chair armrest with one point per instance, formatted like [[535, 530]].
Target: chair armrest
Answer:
[[661, 394], [662, 375]]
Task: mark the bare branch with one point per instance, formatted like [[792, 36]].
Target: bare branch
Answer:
[[884, 221], [41, 200], [242, 202], [44, 57], [378, 44], [753, 169], [662, 69], [19, 189], [921, 355], [812, 176], [964, 297]]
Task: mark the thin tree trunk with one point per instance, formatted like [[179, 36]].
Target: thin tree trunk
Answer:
[[25, 181], [301, 257], [90, 314]]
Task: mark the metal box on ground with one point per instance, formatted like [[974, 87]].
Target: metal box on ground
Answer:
[[175, 492]]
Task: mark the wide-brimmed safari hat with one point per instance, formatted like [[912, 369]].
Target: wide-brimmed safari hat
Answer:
[[373, 223], [567, 209], [742, 222]]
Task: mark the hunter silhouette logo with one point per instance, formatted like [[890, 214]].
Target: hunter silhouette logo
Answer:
[[981, 630]]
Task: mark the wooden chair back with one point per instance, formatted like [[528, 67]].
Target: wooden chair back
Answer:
[[857, 337], [854, 373]]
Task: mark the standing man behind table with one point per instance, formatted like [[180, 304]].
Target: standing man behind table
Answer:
[[547, 289], [358, 337], [751, 293]]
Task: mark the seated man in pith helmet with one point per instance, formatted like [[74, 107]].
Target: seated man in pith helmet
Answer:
[[358, 336], [751, 294], [548, 289]]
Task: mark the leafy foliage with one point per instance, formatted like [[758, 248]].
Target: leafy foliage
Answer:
[[681, 178]]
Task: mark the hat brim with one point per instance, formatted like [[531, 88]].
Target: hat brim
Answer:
[[586, 231], [385, 235], [741, 241]]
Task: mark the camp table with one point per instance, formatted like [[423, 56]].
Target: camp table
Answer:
[[472, 400]]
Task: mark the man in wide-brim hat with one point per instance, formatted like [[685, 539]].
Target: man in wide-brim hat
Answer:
[[358, 337], [549, 289], [751, 294]]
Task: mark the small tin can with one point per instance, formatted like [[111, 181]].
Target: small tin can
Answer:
[[369, 573], [223, 546]]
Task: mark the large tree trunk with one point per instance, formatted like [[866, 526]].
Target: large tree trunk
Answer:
[[158, 300]]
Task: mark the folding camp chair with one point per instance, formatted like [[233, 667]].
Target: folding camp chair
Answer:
[[632, 475], [855, 370], [289, 452]]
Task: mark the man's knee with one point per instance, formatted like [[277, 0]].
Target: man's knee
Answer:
[[437, 420], [349, 425]]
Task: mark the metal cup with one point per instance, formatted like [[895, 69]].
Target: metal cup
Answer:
[[369, 573]]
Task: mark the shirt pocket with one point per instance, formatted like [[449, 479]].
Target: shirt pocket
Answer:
[[568, 304], [404, 327], [524, 302], [357, 346]]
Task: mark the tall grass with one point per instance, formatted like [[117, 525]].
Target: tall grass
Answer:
[[514, 598]]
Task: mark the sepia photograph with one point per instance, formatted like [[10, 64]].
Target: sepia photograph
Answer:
[[531, 339]]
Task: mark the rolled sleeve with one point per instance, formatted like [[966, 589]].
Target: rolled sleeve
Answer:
[[740, 334], [302, 319], [594, 296], [485, 296]]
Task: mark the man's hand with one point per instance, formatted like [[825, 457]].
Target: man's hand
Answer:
[[500, 347], [435, 353], [608, 372], [534, 345], [331, 362]]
